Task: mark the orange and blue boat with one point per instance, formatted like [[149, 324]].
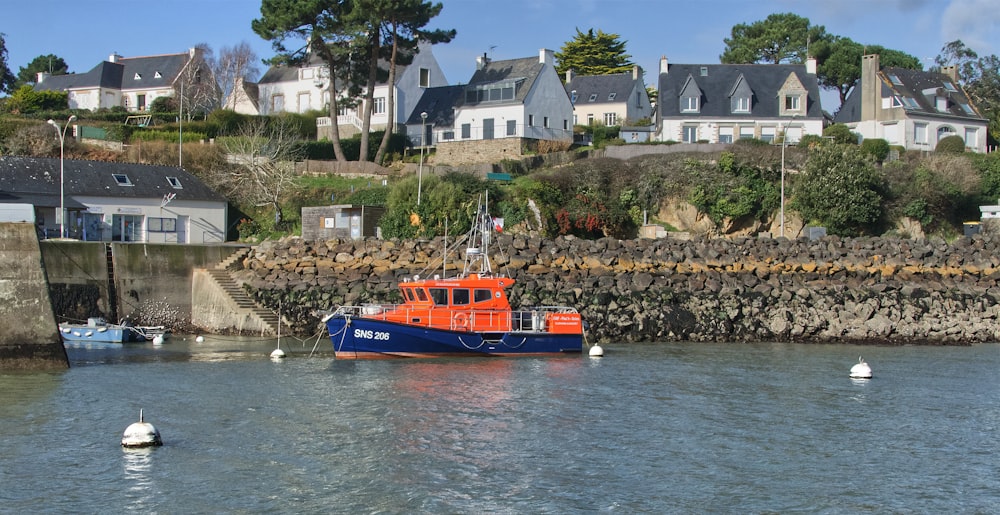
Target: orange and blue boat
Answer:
[[465, 315]]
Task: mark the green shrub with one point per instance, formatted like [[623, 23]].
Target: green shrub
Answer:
[[839, 133], [952, 144], [876, 147], [810, 140]]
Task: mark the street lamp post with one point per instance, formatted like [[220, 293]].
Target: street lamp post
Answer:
[[61, 216], [423, 143]]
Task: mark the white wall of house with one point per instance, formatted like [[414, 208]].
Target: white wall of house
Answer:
[[729, 130], [922, 134], [145, 220], [307, 93], [469, 123], [602, 112]]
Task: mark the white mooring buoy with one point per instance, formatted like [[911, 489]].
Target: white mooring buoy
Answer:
[[596, 351], [200, 339], [861, 370], [158, 339], [277, 353], [141, 434]]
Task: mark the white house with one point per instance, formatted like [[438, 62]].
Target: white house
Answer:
[[912, 108], [107, 201], [721, 103], [613, 100], [131, 82]]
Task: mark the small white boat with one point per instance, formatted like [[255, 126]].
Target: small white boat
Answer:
[[99, 330]]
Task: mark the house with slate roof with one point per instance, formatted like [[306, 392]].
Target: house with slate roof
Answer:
[[132, 82], [108, 201], [912, 108], [612, 100], [438, 104], [305, 87], [721, 103]]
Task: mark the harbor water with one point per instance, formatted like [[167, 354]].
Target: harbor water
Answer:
[[651, 428]]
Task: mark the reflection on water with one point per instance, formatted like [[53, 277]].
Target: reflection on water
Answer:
[[138, 465]]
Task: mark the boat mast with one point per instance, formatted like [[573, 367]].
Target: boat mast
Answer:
[[477, 260]]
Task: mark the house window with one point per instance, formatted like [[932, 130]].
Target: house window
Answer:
[[466, 131], [689, 104], [944, 132], [307, 73], [703, 71], [565, 125], [593, 97], [610, 119], [545, 122], [138, 76], [747, 132], [971, 137], [157, 75], [531, 120], [950, 87], [725, 134], [379, 105], [161, 224], [590, 119], [140, 102], [767, 134], [791, 102], [611, 96], [920, 133], [121, 179], [175, 183], [941, 104], [690, 133], [968, 109], [425, 78], [278, 103], [741, 105], [895, 80], [512, 127], [448, 135]]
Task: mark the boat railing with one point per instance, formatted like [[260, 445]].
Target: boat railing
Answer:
[[531, 319]]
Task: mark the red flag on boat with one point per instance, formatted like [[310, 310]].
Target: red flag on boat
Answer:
[[498, 224]]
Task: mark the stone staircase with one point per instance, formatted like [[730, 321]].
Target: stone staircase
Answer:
[[263, 320]]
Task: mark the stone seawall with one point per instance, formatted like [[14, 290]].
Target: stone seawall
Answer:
[[740, 290]]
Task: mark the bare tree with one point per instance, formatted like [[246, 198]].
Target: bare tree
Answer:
[[234, 65], [196, 87], [263, 154]]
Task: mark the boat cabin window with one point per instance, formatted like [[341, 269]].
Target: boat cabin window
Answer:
[[460, 297], [482, 295], [439, 296], [421, 296], [408, 293]]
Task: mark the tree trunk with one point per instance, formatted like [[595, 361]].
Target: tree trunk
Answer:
[[390, 102], [366, 122]]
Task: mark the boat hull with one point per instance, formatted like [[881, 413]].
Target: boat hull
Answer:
[[363, 338], [72, 333]]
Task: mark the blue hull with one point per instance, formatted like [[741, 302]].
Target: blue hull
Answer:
[[77, 334], [360, 338]]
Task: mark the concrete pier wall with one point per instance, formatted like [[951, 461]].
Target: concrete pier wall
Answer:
[[29, 336]]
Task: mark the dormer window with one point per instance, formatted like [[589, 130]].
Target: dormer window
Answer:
[[741, 104], [157, 75], [425, 78], [121, 179], [792, 103], [138, 76], [689, 104], [611, 96], [593, 97], [175, 183], [941, 103]]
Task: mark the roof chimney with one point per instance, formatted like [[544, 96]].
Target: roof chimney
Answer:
[[663, 64], [570, 74], [811, 66], [636, 72], [40, 77], [114, 57], [546, 56], [951, 72], [482, 61], [871, 87]]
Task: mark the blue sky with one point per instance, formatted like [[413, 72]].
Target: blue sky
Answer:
[[84, 33]]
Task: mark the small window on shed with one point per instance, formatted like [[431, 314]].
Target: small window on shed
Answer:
[[121, 179], [175, 183]]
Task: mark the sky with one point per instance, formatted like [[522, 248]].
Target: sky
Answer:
[[84, 33]]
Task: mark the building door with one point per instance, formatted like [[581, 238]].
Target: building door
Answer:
[[126, 227], [487, 128]]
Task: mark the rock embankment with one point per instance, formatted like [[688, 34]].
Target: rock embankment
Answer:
[[870, 290]]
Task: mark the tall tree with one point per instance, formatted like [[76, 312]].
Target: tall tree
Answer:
[[7, 79], [593, 53], [51, 64], [781, 38], [839, 61], [401, 28], [841, 189], [235, 64], [980, 78], [319, 26]]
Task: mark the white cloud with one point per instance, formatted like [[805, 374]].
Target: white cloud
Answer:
[[975, 22]]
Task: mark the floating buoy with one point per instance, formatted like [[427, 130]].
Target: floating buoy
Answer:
[[596, 351], [141, 434], [200, 339], [158, 339], [861, 370], [277, 354]]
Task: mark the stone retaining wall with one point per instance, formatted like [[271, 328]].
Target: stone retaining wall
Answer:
[[741, 290]]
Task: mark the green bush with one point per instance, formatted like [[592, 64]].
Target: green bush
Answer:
[[876, 147], [839, 133], [810, 140], [952, 144]]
